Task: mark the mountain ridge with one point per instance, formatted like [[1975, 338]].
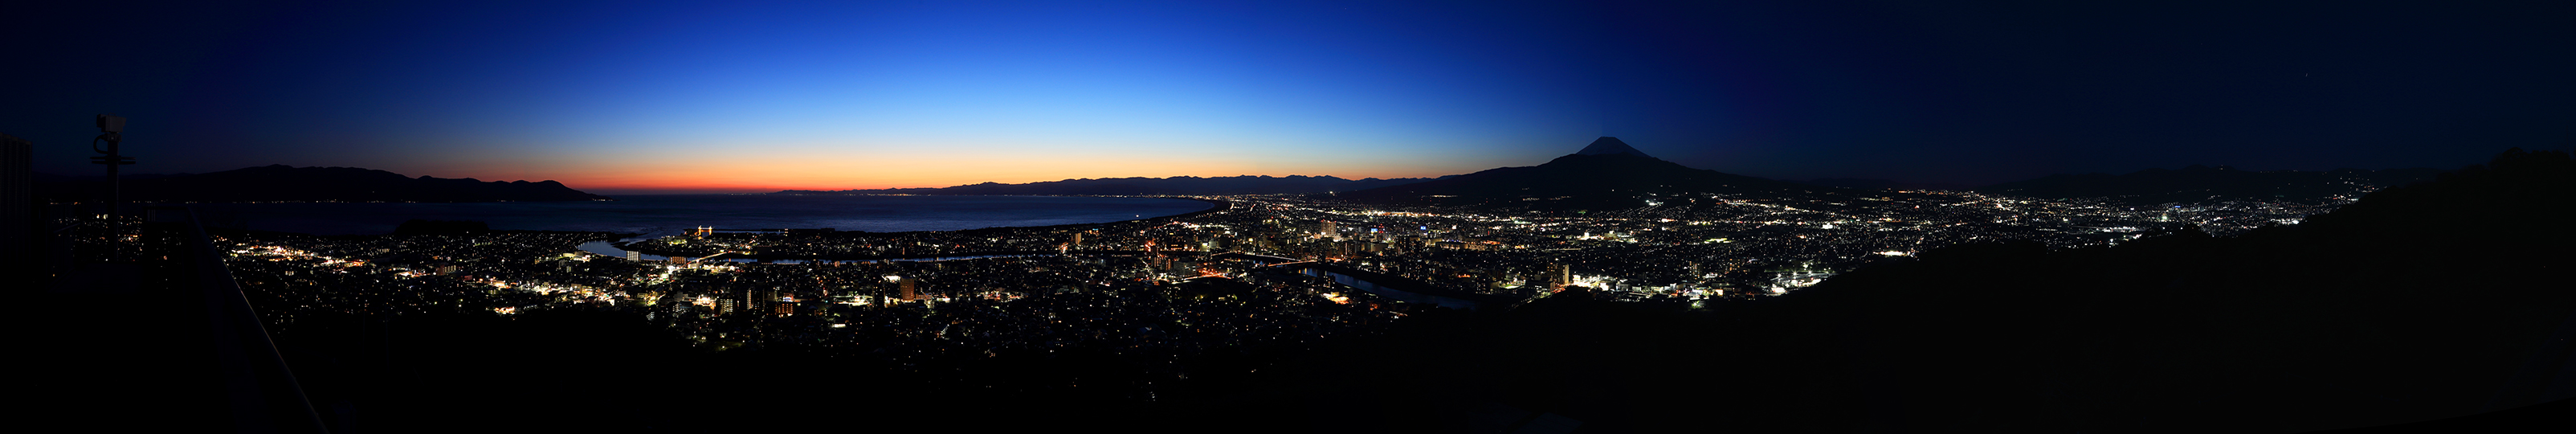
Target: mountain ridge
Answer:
[[1882, 184], [2197, 183], [1612, 175], [1139, 186], [282, 183], [1607, 145]]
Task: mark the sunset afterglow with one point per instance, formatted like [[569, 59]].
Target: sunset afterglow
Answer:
[[625, 98]]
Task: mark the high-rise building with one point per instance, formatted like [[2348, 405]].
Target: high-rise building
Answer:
[[908, 288], [1559, 275], [1329, 231], [17, 204], [746, 300]]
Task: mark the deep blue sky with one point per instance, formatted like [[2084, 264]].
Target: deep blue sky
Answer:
[[624, 97]]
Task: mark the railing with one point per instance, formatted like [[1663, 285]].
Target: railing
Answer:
[[261, 390]]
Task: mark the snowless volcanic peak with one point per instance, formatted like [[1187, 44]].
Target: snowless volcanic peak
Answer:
[[1610, 145]]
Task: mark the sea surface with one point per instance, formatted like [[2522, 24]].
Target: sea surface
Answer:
[[660, 215]]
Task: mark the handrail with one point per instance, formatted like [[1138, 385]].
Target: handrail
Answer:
[[262, 390]]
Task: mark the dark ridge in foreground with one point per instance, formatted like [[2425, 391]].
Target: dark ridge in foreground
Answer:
[[2430, 301], [2210, 184], [2419, 303], [1178, 185], [281, 183]]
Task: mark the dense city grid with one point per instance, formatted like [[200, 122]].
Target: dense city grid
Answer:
[[1158, 292]]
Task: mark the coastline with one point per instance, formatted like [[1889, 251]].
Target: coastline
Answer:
[[663, 215], [1216, 205]]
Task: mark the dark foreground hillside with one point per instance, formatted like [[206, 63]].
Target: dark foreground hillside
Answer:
[[2433, 301], [2424, 302]]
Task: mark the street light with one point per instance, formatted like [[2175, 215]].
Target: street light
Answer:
[[112, 129]]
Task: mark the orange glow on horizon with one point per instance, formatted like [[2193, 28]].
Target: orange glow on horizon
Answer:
[[739, 174]]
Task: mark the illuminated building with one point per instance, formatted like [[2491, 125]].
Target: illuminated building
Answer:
[[1559, 275], [906, 289], [707, 306]]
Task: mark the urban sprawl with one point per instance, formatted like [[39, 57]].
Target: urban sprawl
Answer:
[[1274, 272]]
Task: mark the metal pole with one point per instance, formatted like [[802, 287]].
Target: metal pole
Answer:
[[112, 130], [115, 183]]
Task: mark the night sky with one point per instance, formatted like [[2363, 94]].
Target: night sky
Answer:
[[616, 97]]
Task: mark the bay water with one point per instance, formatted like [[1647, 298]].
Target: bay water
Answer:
[[662, 215]]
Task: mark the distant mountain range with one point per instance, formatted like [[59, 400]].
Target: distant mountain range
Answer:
[[1608, 174], [1178, 185], [1883, 184], [276, 183], [2205, 184]]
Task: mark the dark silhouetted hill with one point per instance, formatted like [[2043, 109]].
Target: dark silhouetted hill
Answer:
[[1178, 185], [275, 183], [2210, 184], [440, 227], [2418, 303], [1607, 145], [1882, 184], [2427, 301], [1606, 175]]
